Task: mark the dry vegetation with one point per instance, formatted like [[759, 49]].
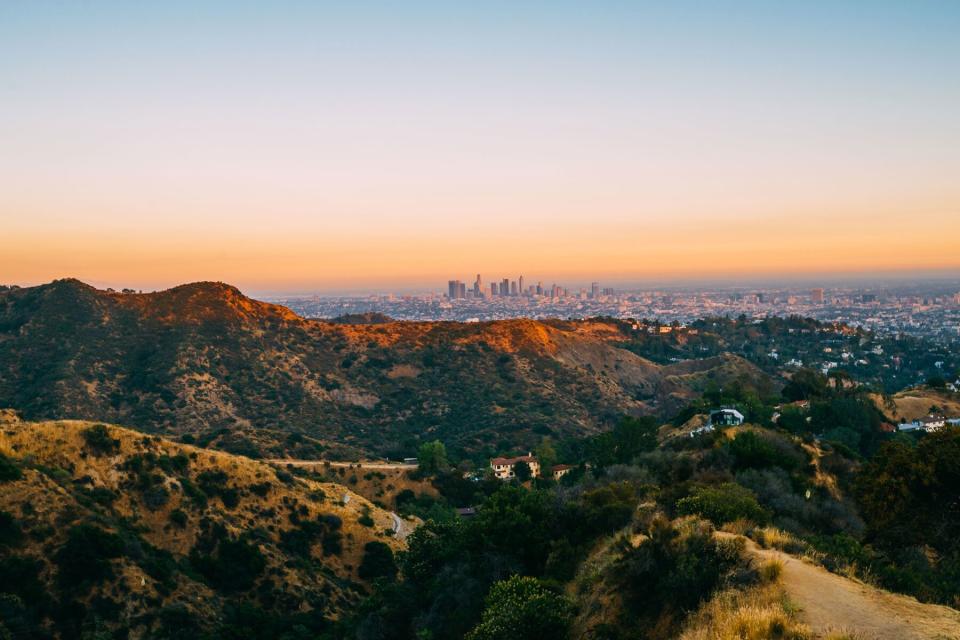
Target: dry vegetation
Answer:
[[911, 404], [177, 510], [762, 612]]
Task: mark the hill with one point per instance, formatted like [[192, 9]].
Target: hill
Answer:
[[918, 402], [105, 528], [204, 362]]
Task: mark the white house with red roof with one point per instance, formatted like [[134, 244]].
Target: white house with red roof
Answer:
[[505, 468]]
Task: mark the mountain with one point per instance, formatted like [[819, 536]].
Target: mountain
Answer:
[[100, 524], [205, 362]]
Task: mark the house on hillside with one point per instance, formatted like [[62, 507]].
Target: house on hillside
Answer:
[[725, 418], [560, 470], [505, 468], [929, 424]]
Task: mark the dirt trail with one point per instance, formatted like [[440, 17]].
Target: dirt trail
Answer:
[[829, 602], [380, 466]]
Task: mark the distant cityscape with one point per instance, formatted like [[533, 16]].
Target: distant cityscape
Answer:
[[930, 310]]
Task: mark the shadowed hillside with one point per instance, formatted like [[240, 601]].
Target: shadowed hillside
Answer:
[[205, 361], [105, 528]]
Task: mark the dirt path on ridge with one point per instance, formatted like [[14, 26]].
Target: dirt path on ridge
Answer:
[[830, 602]]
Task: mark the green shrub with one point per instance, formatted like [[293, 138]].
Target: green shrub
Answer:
[[235, 565], [751, 450], [99, 441], [179, 518], [10, 532], [156, 497], [377, 561], [8, 470], [85, 557], [522, 607], [679, 565], [723, 503]]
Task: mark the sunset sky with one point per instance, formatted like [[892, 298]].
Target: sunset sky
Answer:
[[295, 146]]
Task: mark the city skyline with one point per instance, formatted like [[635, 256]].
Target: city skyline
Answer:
[[317, 147]]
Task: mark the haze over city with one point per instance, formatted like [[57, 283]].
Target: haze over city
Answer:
[[311, 147]]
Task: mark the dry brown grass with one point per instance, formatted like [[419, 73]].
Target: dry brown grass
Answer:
[[771, 570], [740, 527], [773, 538], [844, 635], [758, 613]]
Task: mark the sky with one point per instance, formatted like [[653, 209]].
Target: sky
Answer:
[[297, 146]]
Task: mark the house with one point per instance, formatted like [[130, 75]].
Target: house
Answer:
[[910, 426], [725, 418], [929, 424], [466, 512], [560, 470], [504, 468]]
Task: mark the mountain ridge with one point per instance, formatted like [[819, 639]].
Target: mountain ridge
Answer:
[[204, 360]]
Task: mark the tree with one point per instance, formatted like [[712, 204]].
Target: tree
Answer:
[[522, 471], [633, 436], [377, 561], [85, 557], [8, 470], [522, 607], [99, 440], [432, 457], [937, 382], [804, 385], [546, 454]]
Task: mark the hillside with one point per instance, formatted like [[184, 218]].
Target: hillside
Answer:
[[205, 362], [918, 402], [103, 527]]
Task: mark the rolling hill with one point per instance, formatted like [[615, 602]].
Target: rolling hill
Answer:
[[102, 526], [204, 362]]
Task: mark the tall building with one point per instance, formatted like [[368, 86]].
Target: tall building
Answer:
[[816, 295], [478, 286], [453, 289], [594, 290], [461, 290], [540, 289], [513, 289], [520, 285], [493, 289], [505, 287]]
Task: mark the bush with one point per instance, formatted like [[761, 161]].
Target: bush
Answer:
[[156, 497], [679, 565], [522, 607], [377, 562], [85, 557], [234, 567], [771, 570], [8, 470], [99, 441], [10, 533], [723, 503], [179, 518], [755, 451]]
